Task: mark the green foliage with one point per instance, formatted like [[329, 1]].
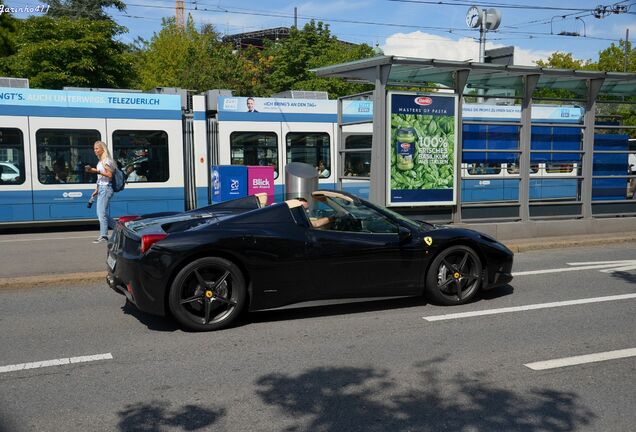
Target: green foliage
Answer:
[[612, 59], [311, 47], [58, 52], [7, 34], [91, 9], [195, 60]]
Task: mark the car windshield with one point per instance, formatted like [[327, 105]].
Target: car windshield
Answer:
[[407, 221]]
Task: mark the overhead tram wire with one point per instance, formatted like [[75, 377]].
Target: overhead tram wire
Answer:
[[492, 4], [345, 21], [547, 21]]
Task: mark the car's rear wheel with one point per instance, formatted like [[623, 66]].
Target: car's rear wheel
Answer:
[[207, 294], [454, 276]]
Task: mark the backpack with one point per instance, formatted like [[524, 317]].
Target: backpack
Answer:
[[119, 180]]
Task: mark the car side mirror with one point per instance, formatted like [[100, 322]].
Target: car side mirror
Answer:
[[404, 234]]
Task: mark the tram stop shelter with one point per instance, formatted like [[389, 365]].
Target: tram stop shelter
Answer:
[[549, 174]]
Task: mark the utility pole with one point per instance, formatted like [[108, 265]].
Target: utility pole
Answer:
[[626, 50], [295, 17], [179, 19]]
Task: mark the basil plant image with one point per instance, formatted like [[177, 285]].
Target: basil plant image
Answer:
[[422, 151]]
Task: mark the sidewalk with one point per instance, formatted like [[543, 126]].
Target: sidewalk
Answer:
[[93, 268]]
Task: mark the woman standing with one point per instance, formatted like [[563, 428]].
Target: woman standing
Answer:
[[104, 190]]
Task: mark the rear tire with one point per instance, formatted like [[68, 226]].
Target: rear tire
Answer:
[[454, 276], [208, 294]]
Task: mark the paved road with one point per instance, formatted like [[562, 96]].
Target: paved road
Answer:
[[376, 366], [64, 252]]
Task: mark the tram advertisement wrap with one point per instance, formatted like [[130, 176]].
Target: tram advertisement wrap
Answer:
[[421, 143]]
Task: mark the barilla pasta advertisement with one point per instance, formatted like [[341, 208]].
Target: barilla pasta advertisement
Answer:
[[421, 143]]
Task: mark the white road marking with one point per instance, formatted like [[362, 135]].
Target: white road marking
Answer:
[[622, 265], [582, 359], [45, 238], [55, 362], [528, 307]]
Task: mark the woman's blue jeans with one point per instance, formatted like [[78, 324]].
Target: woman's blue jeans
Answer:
[[104, 193]]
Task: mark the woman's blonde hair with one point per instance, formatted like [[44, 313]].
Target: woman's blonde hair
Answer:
[[104, 147]]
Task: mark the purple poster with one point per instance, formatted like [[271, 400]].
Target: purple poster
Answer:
[[260, 179]]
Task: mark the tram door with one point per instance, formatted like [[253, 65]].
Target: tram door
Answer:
[[150, 152], [60, 148], [312, 143], [253, 143], [16, 184]]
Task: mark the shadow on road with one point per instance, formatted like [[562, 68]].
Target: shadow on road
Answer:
[[625, 276], [495, 293], [335, 399], [324, 310], [153, 322], [155, 416]]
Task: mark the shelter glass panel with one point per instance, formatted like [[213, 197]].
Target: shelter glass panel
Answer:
[[614, 164], [357, 163], [63, 153], [11, 157], [490, 161]]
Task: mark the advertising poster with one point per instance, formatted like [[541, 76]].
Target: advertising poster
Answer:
[[421, 144], [260, 179], [228, 182]]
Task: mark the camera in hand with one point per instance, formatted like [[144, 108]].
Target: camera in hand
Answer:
[[90, 202]]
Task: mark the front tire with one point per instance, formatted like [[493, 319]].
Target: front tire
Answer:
[[454, 276], [207, 294]]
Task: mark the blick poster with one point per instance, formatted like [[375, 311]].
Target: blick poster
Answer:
[[421, 143]]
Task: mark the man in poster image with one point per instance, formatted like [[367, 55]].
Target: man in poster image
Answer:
[[250, 105]]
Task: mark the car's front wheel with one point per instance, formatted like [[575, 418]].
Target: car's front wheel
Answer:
[[454, 276], [207, 294]]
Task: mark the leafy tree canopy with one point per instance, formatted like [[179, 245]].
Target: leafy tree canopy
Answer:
[[563, 60], [58, 52], [196, 60], [91, 9], [7, 34], [312, 47]]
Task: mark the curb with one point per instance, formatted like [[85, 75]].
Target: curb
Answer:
[[566, 243], [520, 246], [55, 279]]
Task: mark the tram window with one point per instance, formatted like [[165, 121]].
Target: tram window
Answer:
[[62, 154], [358, 142], [484, 168], [311, 148], [357, 163], [254, 148], [142, 155], [11, 157]]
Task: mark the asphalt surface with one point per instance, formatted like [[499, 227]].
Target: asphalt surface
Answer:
[[373, 366], [60, 257]]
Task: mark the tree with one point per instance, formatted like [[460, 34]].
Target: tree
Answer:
[[58, 52], [91, 9], [7, 34], [197, 60], [312, 47], [612, 59], [563, 60]]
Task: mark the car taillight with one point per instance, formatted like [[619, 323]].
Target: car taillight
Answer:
[[122, 220], [150, 239]]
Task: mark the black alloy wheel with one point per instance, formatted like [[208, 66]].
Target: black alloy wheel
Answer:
[[454, 276], [207, 294]]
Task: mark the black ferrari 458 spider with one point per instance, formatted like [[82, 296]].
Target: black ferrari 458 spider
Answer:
[[207, 265]]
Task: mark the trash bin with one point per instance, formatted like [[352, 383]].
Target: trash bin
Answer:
[[301, 180]]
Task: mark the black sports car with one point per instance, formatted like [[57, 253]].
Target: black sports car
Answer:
[[205, 266]]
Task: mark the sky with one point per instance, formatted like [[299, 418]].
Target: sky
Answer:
[[410, 28]]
